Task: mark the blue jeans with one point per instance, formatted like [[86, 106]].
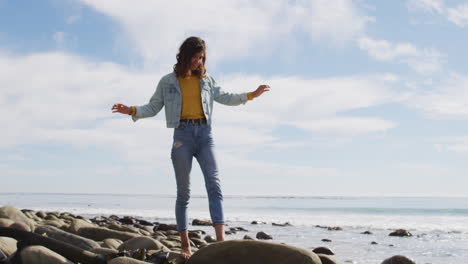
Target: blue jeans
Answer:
[[195, 140]]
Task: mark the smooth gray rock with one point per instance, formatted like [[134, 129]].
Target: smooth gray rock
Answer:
[[7, 245], [12, 213], [42, 255], [142, 242], [101, 233], [53, 232], [252, 252], [263, 235]]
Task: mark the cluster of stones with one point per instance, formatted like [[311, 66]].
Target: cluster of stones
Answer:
[[41, 237]]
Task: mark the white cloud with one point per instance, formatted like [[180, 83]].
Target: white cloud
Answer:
[[232, 28], [424, 61], [446, 100], [457, 15], [347, 125]]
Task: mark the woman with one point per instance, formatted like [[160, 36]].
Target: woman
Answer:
[[187, 95]]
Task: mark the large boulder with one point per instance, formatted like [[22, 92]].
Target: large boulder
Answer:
[[53, 232], [12, 213], [6, 222], [42, 255], [7, 245], [252, 252], [398, 260], [142, 242], [101, 233]]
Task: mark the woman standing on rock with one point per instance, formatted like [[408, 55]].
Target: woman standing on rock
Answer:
[[187, 94]]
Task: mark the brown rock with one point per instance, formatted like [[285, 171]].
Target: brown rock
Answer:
[[42, 255], [323, 250], [327, 259], [401, 233], [142, 243], [7, 245], [398, 260], [252, 252]]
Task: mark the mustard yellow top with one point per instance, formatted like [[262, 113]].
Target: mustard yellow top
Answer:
[[191, 98]]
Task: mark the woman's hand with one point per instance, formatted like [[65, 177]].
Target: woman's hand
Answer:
[[121, 108], [260, 90]]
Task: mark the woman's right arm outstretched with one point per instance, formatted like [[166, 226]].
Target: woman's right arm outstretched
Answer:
[[150, 109]]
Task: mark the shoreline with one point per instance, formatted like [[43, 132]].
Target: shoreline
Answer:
[[332, 232]]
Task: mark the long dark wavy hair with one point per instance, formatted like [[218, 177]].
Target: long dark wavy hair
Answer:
[[187, 50]]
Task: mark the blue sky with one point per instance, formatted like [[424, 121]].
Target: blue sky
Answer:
[[368, 97]]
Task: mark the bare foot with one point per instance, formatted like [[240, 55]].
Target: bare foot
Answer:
[[186, 252]]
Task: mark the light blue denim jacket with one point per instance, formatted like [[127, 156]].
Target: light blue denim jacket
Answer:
[[168, 95]]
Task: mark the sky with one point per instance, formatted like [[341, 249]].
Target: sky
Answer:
[[368, 98]]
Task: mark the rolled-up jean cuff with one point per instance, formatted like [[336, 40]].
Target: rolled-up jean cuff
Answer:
[[218, 223]]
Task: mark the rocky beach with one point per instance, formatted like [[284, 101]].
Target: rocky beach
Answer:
[[28, 236], [356, 230]]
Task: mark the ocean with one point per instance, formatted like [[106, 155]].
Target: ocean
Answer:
[[439, 225]]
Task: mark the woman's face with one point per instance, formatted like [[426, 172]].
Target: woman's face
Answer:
[[197, 60]]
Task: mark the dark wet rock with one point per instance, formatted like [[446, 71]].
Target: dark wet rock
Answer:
[[334, 228], [198, 222], [374, 243], [323, 250], [55, 233], [3, 256], [252, 252], [42, 255], [401, 233], [257, 223], [164, 227], [326, 240], [391, 245], [240, 229], [144, 222], [127, 220], [367, 233], [101, 233], [210, 239], [264, 236], [398, 260], [284, 224], [142, 242], [229, 232], [326, 259], [248, 237]]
